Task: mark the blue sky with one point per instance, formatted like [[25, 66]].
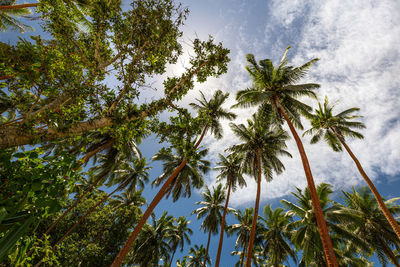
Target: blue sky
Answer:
[[358, 44]]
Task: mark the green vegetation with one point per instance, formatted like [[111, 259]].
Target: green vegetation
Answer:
[[72, 175]]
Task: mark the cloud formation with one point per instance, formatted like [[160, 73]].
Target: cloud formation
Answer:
[[358, 46]]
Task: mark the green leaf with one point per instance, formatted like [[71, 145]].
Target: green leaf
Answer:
[[12, 236]]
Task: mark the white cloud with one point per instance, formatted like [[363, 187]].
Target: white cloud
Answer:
[[358, 43]]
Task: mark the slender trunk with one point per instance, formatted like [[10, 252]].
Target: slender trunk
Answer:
[[208, 245], [255, 216], [125, 249], [18, 6], [371, 185], [323, 230], [201, 136], [221, 235], [389, 253], [81, 162], [242, 256], [161, 193], [173, 254]]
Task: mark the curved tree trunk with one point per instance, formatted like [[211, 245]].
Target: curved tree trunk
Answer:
[[255, 216], [221, 235], [371, 185], [323, 230], [161, 193], [173, 254], [208, 246], [18, 6]]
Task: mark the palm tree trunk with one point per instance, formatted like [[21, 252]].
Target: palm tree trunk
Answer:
[[18, 6], [80, 163], [221, 235], [173, 254], [208, 245], [371, 185], [255, 216], [242, 256], [323, 230], [161, 193]]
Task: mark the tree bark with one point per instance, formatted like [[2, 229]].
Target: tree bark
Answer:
[[12, 136], [221, 235], [208, 245], [161, 193], [17, 6], [323, 230], [371, 185], [255, 216]]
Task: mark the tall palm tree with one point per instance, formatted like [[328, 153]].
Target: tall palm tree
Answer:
[[304, 231], [262, 143], [276, 87], [369, 223], [179, 236], [212, 111], [211, 211], [230, 169], [197, 257], [256, 258], [276, 248], [334, 129], [6, 16]]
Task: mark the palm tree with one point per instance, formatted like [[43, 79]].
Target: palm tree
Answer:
[[369, 223], [334, 129], [212, 111], [304, 232], [197, 257], [262, 143], [243, 230], [275, 88], [180, 235], [276, 248], [211, 210], [152, 244], [230, 170], [190, 175], [6, 16]]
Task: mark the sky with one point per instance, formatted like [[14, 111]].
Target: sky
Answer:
[[358, 46]]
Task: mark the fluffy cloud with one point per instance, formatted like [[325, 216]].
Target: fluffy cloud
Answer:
[[358, 46]]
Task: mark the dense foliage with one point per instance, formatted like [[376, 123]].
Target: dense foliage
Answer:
[[74, 112]]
